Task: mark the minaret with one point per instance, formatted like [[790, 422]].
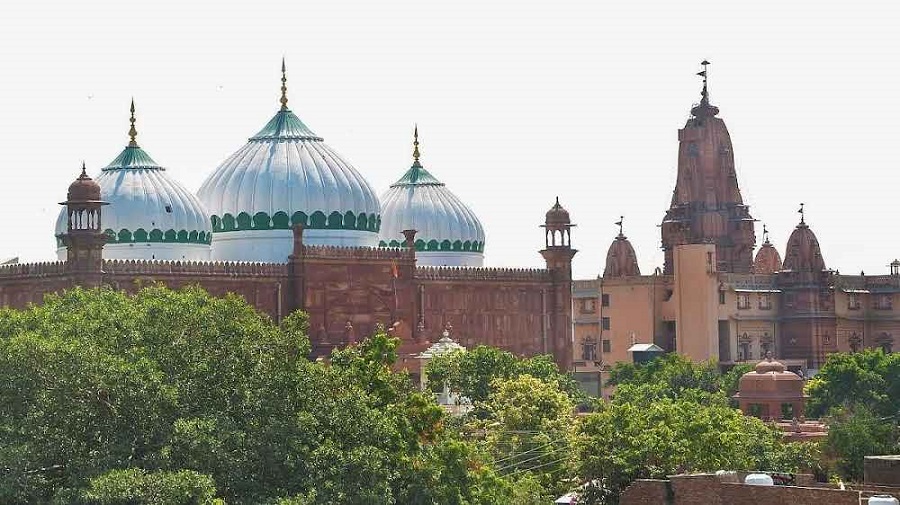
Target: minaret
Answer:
[[558, 254], [706, 205], [84, 237]]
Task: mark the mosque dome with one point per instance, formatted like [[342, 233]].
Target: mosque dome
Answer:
[[447, 232], [286, 175], [803, 253], [621, 260], [150, 215], [767, 260]]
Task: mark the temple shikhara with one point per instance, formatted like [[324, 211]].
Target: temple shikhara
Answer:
[[289, 224]]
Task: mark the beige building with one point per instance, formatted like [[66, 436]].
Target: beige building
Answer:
[[713, 299]]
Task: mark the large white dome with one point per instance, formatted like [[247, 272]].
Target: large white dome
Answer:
[[447, 231], [283, 176], [150, 215]]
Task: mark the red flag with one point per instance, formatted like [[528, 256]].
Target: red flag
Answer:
[[394, 271]]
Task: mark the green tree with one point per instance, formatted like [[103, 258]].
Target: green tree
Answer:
[[869, 378], [101, 389], [137, 487], [472, 372], [854, 434], [625, 441]]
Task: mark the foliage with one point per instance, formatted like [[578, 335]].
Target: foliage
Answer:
[[666, 437], [869, 378], [137, 487], [854, 434], [529, 424], [471, 373], [103, 391]]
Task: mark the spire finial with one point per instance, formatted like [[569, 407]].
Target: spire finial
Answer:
[[765, 234], [705, 93], [416, 144], [83, 169], [802, 215], [619, 224], [132, 132], [284, 99]]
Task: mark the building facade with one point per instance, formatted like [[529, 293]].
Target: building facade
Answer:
[[713, 299]]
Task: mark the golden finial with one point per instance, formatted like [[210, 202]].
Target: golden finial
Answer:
[[284, 99], [132, 132], [416, 144]]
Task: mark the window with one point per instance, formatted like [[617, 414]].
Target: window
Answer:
[[589, 350], [721, 298], [884, 301], [743, 300], [606, 346], [765, 301], [853, 301], [604, 323], [604, 300], [588, 305]]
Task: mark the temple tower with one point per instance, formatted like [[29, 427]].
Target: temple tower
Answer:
[[706, 205], [84, 237]]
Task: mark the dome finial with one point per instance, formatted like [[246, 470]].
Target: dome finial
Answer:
[[284, 99], [83, 170], [416, 144], [802, 215], [765, 234], [619, 224], [132, 132]]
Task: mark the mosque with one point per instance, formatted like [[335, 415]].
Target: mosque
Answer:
[[289, 224]]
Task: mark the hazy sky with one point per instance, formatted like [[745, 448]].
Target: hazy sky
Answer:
[[517, 102]]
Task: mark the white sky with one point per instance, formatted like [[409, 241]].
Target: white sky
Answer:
[[517, 102]]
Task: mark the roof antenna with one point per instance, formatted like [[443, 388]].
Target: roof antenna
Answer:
[[284, 99], [132, 132]]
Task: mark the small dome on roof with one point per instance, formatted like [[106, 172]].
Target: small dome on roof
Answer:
[[803, 253], [557, 215], [621, 260], [84, 189], [448, 233], [149, 214]]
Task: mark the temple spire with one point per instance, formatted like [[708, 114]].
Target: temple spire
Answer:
[[132, 132], [284, 99], [416, 145]]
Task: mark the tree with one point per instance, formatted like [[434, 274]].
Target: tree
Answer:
[[869, 378], [855, 434], [624, 442], [137, 487], [104, 391], [471, 373]]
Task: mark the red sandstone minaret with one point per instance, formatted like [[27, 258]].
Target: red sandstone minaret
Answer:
[[558, 254], [83, 238], [706, 204]]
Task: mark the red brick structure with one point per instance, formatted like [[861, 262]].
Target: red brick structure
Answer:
[[525, 311], [768, 388]]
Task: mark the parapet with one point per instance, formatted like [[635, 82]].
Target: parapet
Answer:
[[358, 253], [483, 274], [196, 268], [44, 269]]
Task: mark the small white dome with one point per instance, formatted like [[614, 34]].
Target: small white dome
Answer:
[[447, 232], [150, 215]]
